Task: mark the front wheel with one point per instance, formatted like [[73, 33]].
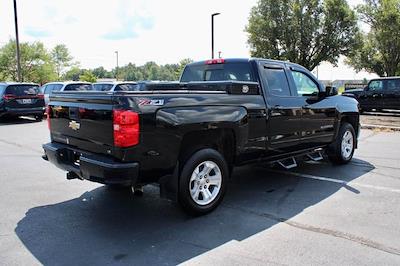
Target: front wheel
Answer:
[[202, 182], [342, 150]]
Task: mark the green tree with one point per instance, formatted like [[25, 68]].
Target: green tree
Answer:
[[88, 76], [101, 72], [61, 58], [380, 52], [181, 67], [36, 64], [306, 32], [73, 74]]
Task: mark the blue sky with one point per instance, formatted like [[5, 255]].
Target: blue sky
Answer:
[[140, 30]]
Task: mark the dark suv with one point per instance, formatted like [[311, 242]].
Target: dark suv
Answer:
[[21, 99], [382, 93]]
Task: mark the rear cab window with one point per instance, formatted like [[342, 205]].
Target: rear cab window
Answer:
[[276, 82], [227, 71], [22, 90]]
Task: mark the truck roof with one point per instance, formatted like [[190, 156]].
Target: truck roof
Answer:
[[245, 60]]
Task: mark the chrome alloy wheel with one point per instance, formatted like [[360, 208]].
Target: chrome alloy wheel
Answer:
[[347, 144], [205, 183]]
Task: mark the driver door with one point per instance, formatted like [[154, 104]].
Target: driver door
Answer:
[[318, 113]]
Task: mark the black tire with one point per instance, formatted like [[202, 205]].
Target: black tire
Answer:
[[38, 118], [196, 161], [335, 152]]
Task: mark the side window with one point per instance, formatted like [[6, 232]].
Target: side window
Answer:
[[393, 85], [277, 83], [305, 85], [57, 87], [376, 85], [48, 88]]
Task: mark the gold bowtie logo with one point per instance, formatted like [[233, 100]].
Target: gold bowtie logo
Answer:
[[74, 125]]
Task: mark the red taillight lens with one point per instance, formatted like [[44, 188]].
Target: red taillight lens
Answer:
[[215, 61], [40, 96], [126, 128], [8, 96], [48, 110]]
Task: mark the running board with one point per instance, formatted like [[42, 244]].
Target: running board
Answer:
[[315, 156], [288, 163]]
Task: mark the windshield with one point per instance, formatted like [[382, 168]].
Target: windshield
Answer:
[[22, 90], [102, 87], [239, 71], [78, 87]]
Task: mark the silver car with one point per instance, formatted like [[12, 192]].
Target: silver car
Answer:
[[51, 87]]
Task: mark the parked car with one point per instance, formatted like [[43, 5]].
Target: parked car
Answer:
[[51, 87], [17, 99], [117, 86], [188, 136], [379, 94]]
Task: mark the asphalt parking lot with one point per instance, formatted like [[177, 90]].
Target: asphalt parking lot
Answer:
[[316, 214]]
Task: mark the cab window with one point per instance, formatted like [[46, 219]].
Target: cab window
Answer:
[[393, 85], [277, 83], [305, 86], [376, 85]]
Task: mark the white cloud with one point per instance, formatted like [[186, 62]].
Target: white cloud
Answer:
[[141, 30]]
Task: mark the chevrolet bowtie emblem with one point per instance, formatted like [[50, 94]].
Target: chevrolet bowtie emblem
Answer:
[[74, 125]]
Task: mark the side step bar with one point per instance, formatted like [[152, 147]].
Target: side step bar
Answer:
[[289, 163], [315, 156]]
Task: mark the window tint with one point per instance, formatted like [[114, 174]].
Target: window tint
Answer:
[[2, 88], [102, 87], [127, 87], [47, 88], [78, 87], [305, 85], [218, 72], [393, 84], [57, 87], [376, 85], [22, 90], [277, 83]]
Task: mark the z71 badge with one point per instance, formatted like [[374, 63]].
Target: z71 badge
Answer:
[[155, 102]]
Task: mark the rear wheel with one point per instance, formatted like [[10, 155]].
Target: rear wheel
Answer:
[[202, 182], [342, 150]]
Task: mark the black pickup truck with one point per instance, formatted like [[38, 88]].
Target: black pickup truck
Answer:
[[187, 136]]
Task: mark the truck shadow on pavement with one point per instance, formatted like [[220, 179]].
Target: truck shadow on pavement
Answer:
[[103, 226]]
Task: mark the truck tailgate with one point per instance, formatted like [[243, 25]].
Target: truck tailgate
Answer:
[[83, 120]]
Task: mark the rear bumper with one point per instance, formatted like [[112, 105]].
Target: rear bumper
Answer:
[[22, 111], [89, 166]]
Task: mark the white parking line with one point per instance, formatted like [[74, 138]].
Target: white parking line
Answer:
[[338, 181]]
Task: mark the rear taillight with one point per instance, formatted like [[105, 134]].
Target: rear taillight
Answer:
[[8, 96], [126, 128], [40, 96], [215, 61], [48, 110]]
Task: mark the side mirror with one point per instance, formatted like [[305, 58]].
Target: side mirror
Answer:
[[331, 91], [366, 88]]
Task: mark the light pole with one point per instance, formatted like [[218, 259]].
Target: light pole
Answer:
[[17, 41], [212, 33], [116, 70]]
